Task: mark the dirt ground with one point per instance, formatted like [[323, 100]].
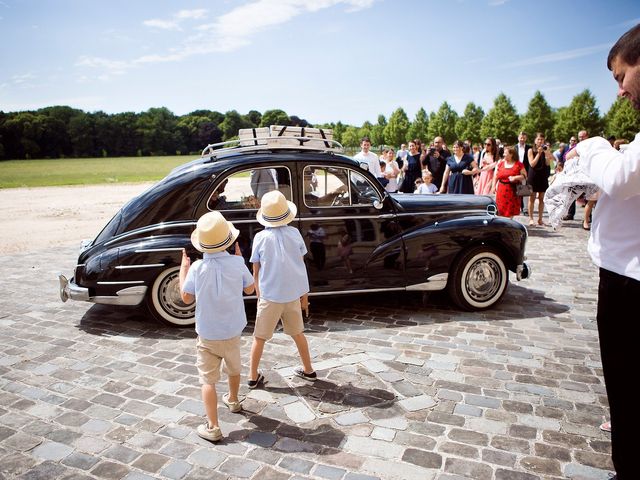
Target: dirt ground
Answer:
[[45, 217]]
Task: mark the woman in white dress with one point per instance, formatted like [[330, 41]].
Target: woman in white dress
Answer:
[[391, 170]]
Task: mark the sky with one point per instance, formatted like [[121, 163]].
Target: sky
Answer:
[[322, 60]]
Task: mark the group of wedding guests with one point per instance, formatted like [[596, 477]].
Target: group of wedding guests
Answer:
[[490, 169]]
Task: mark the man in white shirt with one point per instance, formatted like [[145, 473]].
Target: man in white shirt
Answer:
[[614, 246], [366, 155]]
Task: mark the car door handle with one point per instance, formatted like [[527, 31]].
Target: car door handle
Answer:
[[387, 216]]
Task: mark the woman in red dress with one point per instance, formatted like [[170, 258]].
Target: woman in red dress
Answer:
[[509, 172]]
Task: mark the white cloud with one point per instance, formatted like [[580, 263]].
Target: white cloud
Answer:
[[114, 67], [497, 3], [559, 56], [228, 32], [176, 19], [161, 24], [188, 14], [22, 79]]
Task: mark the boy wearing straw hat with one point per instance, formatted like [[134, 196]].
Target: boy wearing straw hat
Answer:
[[216, 282], [281, 283]]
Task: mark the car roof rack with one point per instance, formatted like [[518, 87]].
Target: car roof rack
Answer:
[[277, 137]]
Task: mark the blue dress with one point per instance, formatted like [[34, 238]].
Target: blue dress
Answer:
[[458, 182], [414, 171]]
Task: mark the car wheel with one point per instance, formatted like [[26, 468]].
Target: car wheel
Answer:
[[479, 279], [165, 303]]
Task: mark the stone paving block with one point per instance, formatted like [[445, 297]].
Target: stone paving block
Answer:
[[296, 465], [150, 462], [176, 470], [394, 470], [377, 448], [52, 451], [328, 472], [298, 412], [474, 470], [469, 410], [419, 402], [80, 460]]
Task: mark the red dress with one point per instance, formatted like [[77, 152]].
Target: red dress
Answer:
[[506, 199]]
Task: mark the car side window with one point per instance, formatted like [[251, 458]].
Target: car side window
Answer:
[[244, 189], [334, 186], [362, 191]]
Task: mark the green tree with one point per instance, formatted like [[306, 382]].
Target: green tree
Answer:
[[351, 137], [274, 117], [581, 114], [622, 120], [395, 133], [502, 121], [365, 131], [254, 118], [158, 132], [419, 128], [443, 123], [468, 125], [539, 117], [377, 131], [232, 122]]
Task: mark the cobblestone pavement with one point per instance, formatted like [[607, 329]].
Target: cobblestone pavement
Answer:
[[409, 387]]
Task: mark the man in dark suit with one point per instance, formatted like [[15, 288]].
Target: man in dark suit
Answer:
[[523, 155]]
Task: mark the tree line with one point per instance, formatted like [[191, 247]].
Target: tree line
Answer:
[[61, 131]]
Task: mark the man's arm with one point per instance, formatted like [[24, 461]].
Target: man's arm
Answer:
[[616, 173]]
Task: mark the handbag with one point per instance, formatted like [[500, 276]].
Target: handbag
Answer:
[[524, 190]]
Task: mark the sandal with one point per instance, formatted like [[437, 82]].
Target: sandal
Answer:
[[606, 427], [531, 223], [586, 227], [254, 383]]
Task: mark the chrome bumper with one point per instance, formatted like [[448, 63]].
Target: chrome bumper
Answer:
[[523, 271], [126, 296]]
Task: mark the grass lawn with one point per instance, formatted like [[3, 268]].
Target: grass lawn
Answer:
[[85, 171]]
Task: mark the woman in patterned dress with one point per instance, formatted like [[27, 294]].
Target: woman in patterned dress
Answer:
[[509, 173], [488, 161]]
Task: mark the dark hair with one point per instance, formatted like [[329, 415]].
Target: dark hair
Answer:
[[494, 148], [365, 139], [627, 48]]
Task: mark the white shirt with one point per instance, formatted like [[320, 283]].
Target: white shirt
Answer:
[[424, 188], [521, 150], [614, 243], [283, 274], [372, 160], [392, 186], [217, 282]]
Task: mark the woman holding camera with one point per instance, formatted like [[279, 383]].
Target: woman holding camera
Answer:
[[539, 158]]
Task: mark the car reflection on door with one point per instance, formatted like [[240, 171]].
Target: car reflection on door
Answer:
[[351, 244]]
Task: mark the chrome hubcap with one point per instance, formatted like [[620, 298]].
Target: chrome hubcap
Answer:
[[170, 299], [483, 279]]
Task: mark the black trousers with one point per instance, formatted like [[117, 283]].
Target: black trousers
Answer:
[[617, 326]]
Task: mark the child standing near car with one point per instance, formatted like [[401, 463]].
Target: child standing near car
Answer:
[[281, 283], [216, 282]]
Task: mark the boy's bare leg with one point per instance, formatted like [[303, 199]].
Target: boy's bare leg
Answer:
[[234, 386], [257, 348], [210, 399], [303, 351]]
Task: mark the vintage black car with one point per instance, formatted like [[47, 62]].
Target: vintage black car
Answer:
[[360, 238]]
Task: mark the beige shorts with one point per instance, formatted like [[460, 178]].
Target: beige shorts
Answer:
[[212, 353], [269, 313]]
